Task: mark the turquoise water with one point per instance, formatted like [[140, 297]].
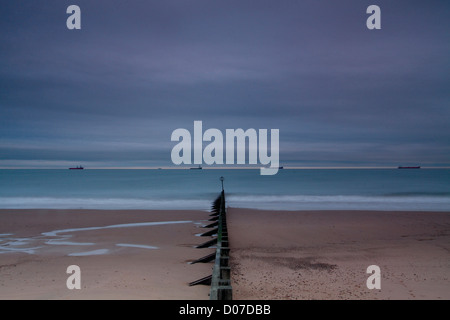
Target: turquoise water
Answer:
[[315, 189]]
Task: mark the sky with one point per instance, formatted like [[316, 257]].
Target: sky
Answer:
[[111, 94]]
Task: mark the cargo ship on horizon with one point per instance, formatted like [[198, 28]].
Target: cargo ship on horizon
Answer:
[[77, 168]]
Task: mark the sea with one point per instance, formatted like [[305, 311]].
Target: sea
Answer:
[[289, 189]]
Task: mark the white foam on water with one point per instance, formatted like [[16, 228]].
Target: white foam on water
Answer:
[[8, 244], [270, 202], [102, 203], [68, 243], [61, 237], [17, 242], [97, 252], [136, 246], [125, 225], [20, 250], [340, 202]]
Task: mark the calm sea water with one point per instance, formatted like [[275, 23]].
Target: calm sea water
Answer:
[[315, 189]]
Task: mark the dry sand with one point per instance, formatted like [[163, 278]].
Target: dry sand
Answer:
[[124, 272], [325, 254]]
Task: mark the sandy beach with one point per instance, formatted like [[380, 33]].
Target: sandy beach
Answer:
[[325, 254], [122, 262], [141, 254]]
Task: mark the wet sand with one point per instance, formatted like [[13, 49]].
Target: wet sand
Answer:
[[117, 260]]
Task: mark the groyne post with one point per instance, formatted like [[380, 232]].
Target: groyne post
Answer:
[[220, 280]]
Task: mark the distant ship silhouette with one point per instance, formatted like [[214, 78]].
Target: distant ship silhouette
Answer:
[[417, 167], [77, 168]]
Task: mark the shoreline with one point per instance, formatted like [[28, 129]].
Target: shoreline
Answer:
[[278, 254]]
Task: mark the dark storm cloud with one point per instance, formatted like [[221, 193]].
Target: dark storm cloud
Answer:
[[137, 70]]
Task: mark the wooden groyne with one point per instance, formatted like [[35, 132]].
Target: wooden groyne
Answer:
[[220, 280]]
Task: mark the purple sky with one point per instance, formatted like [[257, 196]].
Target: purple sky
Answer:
[[110, 94]]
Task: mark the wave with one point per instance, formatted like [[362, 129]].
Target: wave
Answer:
[[418, 194], [101, 203], [341, 202], [401, 201]]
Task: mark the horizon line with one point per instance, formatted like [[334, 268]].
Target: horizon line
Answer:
[[221, 168]]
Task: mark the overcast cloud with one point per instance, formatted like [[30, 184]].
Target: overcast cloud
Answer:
[[110, 94]]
